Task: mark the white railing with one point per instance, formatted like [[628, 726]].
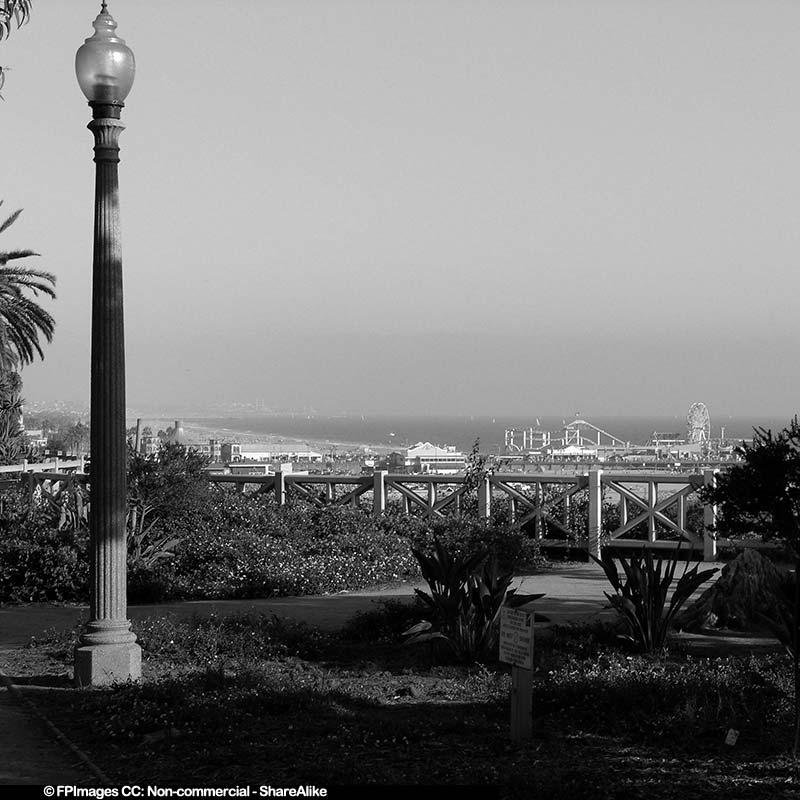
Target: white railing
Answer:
[[56, 465]]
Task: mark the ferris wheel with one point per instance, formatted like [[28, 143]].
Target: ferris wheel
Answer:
[[698, 423]]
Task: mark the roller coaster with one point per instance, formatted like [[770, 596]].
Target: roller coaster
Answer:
[[583, 439]]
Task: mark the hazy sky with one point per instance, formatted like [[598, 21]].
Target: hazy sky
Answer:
[[444, 205]]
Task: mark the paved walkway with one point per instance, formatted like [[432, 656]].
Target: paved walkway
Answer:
[[32, 753], [572, 591]]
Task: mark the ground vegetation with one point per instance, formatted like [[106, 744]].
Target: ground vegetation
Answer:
[[246, 698]]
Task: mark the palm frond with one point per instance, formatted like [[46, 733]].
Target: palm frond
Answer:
[[11, 255], [22, 320], [10, 220], [35, 280], [14, 12]]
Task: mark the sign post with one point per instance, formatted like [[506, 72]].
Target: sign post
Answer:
[[516, 648]]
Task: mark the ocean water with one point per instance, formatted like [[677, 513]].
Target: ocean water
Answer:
[[385, 431]]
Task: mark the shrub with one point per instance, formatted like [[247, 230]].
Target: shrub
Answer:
[[43, 565], [385, 623], [466, 595], [296, 551], [151, 583], [190, 540], [202, 641], [663, 698], [641, 598], [512, 548]]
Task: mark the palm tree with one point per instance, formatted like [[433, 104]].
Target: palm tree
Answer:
[[13, 11], [22, 319], [22, 322]]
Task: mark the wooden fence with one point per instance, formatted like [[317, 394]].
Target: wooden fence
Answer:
[[586, 511], [589, 511]]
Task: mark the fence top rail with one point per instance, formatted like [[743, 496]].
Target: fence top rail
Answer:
[[41, 466], [655, 477], [497, 477], [536, 477], [293, 477], [241, 478], [404, 477]]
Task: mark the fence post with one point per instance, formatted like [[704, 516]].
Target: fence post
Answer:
[[485, 498], [280, 488], [652, 500], [709, 519], [539, 526], [595, 511], [379, 492]]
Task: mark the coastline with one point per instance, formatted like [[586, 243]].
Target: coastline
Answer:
[[383, 434], [197, 434]]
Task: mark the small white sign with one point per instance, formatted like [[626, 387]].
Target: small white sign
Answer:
[[732, 736], [516, 637]]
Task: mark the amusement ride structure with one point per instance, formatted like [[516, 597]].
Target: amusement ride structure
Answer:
[[582, 439]]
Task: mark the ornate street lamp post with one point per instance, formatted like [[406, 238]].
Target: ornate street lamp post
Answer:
[[107, 651]]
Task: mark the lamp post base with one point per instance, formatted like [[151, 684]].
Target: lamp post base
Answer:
[[105, 664]]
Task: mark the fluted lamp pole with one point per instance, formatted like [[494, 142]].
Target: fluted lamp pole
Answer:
[[107, 652]]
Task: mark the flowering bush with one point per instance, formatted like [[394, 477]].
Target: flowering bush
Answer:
[[226, 545], [43, 564], [512, 548], [305, 551]]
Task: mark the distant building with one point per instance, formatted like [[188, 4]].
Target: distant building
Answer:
[[573, 451], [427, 457], [243, 468], [150, 445], [216, 468], [392, 462], [177, 434], [36, 438], [251, 468], [211, 449], [233, 452]]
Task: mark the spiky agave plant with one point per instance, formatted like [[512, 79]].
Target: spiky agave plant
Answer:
[[641, 598], [465, 598]]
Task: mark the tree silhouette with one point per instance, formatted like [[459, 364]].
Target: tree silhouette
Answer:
[[761, 497]]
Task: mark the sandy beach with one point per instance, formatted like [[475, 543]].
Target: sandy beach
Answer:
[[201, 434]]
